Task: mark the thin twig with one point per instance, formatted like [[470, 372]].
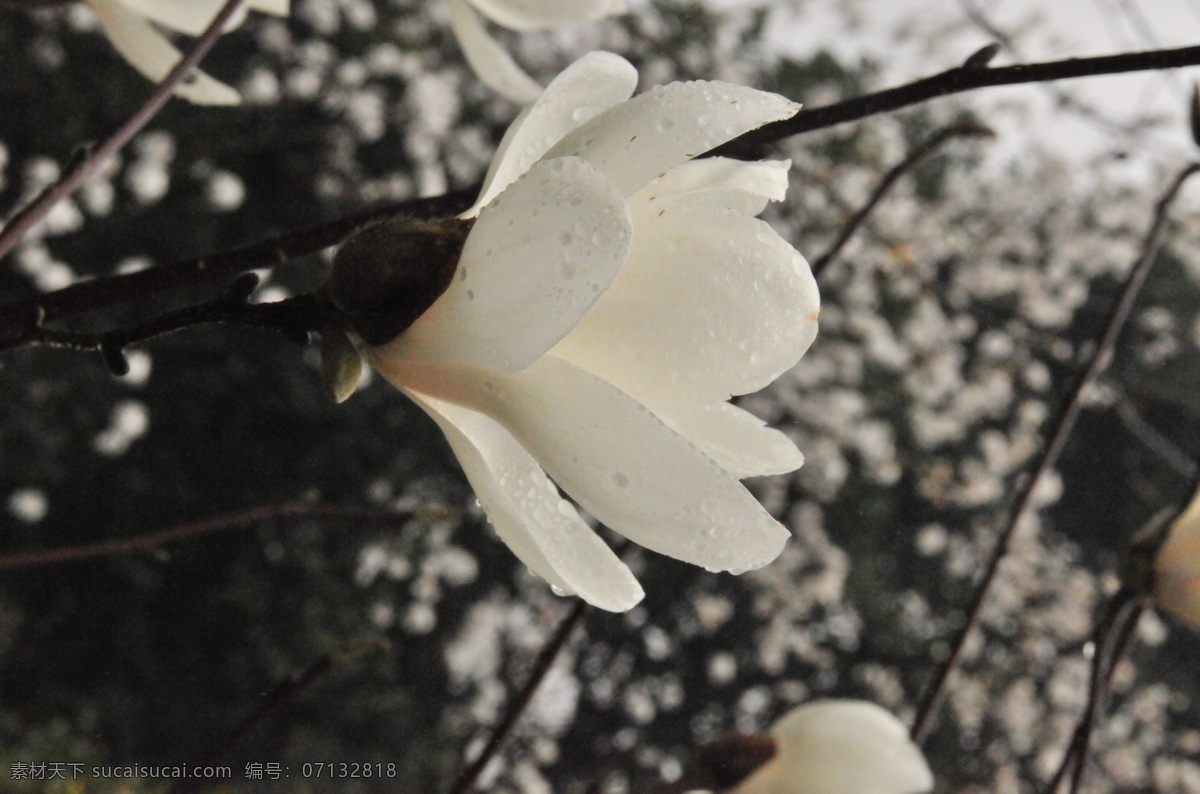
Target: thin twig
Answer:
[[1098, 362], [516, 706], [1124, 640], [1150, 435], [1111, 642], [285, 692], [1101, 666], [193, 529], [928, 147], [14, 231], [956, 81]]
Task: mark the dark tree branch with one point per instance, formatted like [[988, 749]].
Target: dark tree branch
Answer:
[[1098, 362], [1110, 642], [520, 701], [294, 317], [956, 81], [116, 290], [928, 147], [194, 529], [103, 293], [518, 704], [14, 231]]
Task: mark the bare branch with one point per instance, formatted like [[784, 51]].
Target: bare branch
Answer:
[[956, 81], [928, 147], [102, 293], [194, 529], [518, 704], [14, 231], [1098, 362]]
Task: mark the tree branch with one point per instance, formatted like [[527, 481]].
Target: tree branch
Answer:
[[191, 530], [111, 291], [14, 231], [118, 290], [1098, 362], [956, 81], [518, 704], [928, 147], [294, 317]]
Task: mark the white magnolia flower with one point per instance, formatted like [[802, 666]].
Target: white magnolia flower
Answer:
[[128, 25], [1176, 581], [490, 61], [841, 747], [610, 297]]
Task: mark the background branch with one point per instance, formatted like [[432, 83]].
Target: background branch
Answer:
[[928, 147], [956, 81], [1097, 364], [195, 529], [17, 227]]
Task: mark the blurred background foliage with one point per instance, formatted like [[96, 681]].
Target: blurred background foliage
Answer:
[[953, 326]]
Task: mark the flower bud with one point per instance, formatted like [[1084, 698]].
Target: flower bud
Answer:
[[1176, 581], [387, 275], [841, 747]]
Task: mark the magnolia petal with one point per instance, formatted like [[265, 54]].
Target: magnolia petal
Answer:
[[543, 14], [190, 16], [624, 466], [150, 53], [738, 440], [591, 85], [538, 258], [716, 182], [1176, 583], [729, 304], [636, 141], [490, 62], [543, 529], [278, 8], [841, 747]]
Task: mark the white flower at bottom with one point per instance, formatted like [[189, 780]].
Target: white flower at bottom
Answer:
[[490, 62], [127, 23], [841, 747], [1176, 581], [609, 299]]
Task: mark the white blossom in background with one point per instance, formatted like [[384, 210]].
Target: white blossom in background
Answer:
[[610, 298], [490, 61], [130, 26], [1176, 583], [841, 747]]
